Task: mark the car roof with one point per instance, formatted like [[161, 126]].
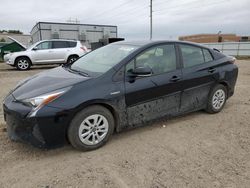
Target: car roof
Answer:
[[59, 40], [153, 42]]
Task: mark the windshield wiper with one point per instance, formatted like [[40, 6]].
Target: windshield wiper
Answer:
[[76, 71], [81, 73]]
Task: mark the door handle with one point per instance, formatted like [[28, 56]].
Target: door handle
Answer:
[[175, 78], [211, 70]]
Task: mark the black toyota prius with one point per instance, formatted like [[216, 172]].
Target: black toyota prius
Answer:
[[116, 87]]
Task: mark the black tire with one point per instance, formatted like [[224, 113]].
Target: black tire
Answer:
[[72, 59], [22, 63], [73, 130], [210, 107]]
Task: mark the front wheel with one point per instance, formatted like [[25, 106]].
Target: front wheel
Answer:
[[23, 63], [91, 128], [217, 99]]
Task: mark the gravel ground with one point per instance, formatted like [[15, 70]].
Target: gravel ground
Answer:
[[196, 150]]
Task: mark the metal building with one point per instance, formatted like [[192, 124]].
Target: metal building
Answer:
[[86, 33]]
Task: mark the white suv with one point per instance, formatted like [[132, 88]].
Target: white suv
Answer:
[[46, 52]]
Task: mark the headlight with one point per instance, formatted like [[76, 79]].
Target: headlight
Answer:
[[37, 102]]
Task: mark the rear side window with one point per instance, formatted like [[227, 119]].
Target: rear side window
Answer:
[[72, 44], [60, 44], [191, 55], [207, 55]]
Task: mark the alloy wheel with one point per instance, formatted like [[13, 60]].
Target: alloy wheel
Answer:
[[93, 129], [72, 60], [218, 99], [23, 64]]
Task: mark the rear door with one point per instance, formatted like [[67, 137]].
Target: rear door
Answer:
[[158, 95], [60, 50], [200, 73]]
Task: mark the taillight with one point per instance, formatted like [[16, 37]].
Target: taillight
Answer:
[[84, 48]]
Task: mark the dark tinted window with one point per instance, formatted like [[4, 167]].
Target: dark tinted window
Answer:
[[207, 55], [44, 45], [160, 59], [60, 44], [72, 44], [191, 55]]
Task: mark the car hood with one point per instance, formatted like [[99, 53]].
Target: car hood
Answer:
[[46, 82], [18, 53]]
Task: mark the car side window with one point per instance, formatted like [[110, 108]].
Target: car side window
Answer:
[[44, 45], [191, 55], [60, 44], [160, 59], [72, 44], [207, 55]]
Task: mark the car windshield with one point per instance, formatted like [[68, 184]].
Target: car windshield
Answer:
[[32, 46], [102, 59]]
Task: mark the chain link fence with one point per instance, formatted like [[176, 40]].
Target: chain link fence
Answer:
[[239, 49]]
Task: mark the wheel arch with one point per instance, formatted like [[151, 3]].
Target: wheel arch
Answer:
[[15, 61], [104, 104], [224, 83], [71, 56]]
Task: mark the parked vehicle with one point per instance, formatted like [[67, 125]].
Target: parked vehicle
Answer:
[[46, 52], [119, 86]]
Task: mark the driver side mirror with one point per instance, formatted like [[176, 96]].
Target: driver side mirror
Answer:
[[141, 72], [35, 48]]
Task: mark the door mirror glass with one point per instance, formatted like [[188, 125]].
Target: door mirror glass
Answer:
[[35, 48]]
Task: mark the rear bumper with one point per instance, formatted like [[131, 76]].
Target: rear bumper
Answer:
[[46, 130], [232, 79]]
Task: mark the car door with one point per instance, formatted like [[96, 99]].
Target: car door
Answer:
[[158, 95], [60, 50], [199, 75], [41, 54]]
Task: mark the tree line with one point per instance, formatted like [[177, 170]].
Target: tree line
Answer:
[[11, 31]]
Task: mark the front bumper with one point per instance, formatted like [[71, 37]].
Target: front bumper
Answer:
[[8, 60], [46, 130]]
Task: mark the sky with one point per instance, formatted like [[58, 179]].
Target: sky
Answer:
[[171, 18]]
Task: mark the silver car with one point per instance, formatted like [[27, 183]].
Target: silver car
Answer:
[[46, 52]]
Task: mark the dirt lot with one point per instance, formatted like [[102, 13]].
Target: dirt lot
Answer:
[[197, 150]]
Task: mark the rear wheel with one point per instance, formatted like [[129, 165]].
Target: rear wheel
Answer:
[[23, 63], [217, 99], [91, 128], [72, 58]]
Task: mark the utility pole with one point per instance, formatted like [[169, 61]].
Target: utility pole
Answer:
[[151, 20]]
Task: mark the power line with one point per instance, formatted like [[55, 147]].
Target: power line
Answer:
[[112, 9], [123, 13], [178, 5], [186, 6]]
